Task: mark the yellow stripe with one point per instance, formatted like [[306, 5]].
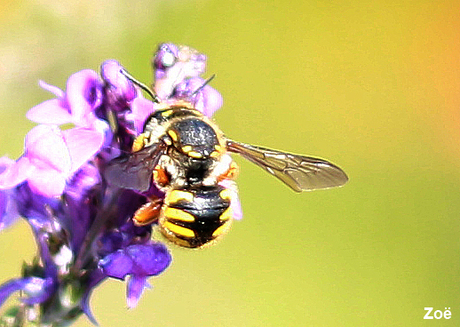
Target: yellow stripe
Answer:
[[226, 194], [176, 195], [178, 230], [138, 143], [194, 154], [214, 154], [173, 135], [186, 148], [167, 113], [220, 230], [177, 214], [227, 214]]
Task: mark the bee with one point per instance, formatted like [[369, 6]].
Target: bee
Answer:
[[188, 157]]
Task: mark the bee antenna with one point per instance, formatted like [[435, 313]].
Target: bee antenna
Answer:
[[204, 84], [149, 91]]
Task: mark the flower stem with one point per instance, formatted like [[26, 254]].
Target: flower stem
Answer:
[[100, 222]]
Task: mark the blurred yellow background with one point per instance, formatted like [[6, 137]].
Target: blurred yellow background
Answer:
[[372, 86]]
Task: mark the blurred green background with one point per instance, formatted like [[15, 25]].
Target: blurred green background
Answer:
[[372, 86]]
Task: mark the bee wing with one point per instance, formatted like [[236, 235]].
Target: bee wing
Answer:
[[298, 172], [134, 171]]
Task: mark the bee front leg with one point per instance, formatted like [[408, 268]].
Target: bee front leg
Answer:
[[168, 173], [231, 173], [226, 168], [148, 213], [161, 176]]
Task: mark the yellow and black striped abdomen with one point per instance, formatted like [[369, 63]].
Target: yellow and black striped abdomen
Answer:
[[196, 216]]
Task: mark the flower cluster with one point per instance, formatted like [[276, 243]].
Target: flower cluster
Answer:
[[81, 223]]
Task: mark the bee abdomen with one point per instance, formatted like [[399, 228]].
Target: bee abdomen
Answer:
[[194, 217]]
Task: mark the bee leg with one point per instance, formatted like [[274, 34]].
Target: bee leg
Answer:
[[139, 142], [160, 176], [148, 213], [226, 168], [231, 173]]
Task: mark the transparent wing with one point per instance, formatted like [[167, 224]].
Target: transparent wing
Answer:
[[134, 171], [298, 172]]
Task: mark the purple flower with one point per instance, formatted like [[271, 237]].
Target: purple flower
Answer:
[[82, 224], [119, 91], [8, 207], [51, 157], [139, 261], [173, 64], [141, 110], [125, 102], [77, 105], [34, 287], [203, 97]]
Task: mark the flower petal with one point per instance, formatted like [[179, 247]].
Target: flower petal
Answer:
[[39, 290], [51, 88], [209, 101], [165, 57], [119, 90], [3, 203], [95, 278], [82, 145], [85, 307], [117, 264], [236, 208], [204, 98], [9, 177], [45, 148], [33, 286], [52, 111], [83, 181], [8, 209], [84, 95], [173, 64], [35, 207], [5, 163], [149, 259], [16, 173], [141, 110], [137, 259], [47, 181], [135, 288]]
